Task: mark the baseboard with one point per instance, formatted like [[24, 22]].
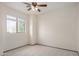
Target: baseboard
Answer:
[[58, 48], [19, 47], [15, 48]]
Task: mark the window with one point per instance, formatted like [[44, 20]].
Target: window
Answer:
[[11, 24], [15, 24], [21, 25]]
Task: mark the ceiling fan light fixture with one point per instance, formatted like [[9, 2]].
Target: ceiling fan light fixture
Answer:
[[33, 8], [36, 8]]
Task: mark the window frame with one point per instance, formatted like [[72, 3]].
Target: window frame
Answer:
[[17, 21]]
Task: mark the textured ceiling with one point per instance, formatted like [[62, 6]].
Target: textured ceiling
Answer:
[[20, 6]]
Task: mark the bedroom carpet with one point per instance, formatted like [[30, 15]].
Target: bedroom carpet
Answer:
[[39, 50]]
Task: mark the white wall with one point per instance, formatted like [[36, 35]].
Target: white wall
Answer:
[[78, 27], [0, 43], [11, 41], [1, 34], [33, 29], [59, 28]]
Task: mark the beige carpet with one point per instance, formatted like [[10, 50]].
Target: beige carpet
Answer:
[[38, 50]]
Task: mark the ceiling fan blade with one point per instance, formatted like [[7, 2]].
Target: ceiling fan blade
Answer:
[[39, 10], [27, 3], [42, 5], [28, 6], [29, 9]]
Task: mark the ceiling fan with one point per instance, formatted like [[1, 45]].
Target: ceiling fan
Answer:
[[34, 6]]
